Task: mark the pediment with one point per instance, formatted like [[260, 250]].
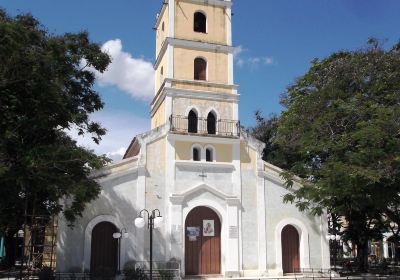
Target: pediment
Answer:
[[180, 197]]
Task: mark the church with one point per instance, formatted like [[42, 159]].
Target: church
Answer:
[[222, 205]]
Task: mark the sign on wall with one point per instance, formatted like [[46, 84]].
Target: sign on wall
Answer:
[[193, 233], [208, 228]]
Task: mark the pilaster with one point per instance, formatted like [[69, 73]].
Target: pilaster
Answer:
[[232, 266], [261, 221]]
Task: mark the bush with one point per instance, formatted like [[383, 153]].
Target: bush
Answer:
[[134, 273], [166, 274]]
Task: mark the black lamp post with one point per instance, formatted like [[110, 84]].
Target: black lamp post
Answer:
[[21, 234], [119, 235], [334, 240], [154, 220]]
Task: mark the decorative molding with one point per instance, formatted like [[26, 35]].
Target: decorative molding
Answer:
[[206, 187], [203, 83], [160, 14], [220, 3], [224, 165], [176, 199], [303, 239], [202, 94], [233, 201], [203, 139], [88, 238], [194, 94], [123, 165], [199, 45]]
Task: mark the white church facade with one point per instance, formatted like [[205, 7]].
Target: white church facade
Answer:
[[222, 205]]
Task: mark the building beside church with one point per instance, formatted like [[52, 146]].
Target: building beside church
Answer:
[[221, 203]]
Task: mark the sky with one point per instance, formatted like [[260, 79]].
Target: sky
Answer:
[[275, 41]]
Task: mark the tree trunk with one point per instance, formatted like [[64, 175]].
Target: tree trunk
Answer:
[[362, 256]]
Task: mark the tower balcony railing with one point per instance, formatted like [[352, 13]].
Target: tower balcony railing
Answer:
[[204, 126]]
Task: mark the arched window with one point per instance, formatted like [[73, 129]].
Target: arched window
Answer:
[[200, 22], [192, 122], [162, 26], [162, 75], [196, 154], [209, 154], [211, 123], [200, 69]]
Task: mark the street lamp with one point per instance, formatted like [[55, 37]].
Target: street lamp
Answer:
[[334, 238], [119, 235], [154, 220], [21, 234]]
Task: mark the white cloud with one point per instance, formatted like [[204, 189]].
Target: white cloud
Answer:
[[121, 128], [251, 61], [134, 76], [238, 50], [117, 155], [268, 60]]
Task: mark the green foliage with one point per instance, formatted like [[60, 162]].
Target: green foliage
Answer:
[[265, 131], [46, 88], [134, 273], [342, 119], [166, 274]]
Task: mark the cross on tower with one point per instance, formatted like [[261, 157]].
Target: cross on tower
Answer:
[[202, 175]]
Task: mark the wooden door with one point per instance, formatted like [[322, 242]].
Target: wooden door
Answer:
[[104, 250], [290, 249], [202, 252]]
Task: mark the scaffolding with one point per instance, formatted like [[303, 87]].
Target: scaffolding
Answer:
[[40, 242]]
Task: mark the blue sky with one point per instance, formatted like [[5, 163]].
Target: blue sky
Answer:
[[277, 39]]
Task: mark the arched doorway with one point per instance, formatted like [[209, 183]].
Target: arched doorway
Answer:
[[290, 249], [104, 250], [202, 242]]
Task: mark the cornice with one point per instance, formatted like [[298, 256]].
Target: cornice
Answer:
[[199, 45], [203, 139], [220, 3], [193, 94]]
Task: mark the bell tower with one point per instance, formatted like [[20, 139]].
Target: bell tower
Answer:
[[196, 106], [194, 88]]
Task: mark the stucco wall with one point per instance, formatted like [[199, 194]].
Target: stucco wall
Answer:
[[249, 211], [196, 85], [248, 157], [117, 199], [155, 194], [217, 64], [159, 79], [183, 151], [161, 35], [159, 116], [277, 212], [216, 22]]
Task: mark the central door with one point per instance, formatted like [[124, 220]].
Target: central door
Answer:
[[202, 242]]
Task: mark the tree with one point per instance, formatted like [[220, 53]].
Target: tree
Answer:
[[265, 130], [343, 120], [46, 88]]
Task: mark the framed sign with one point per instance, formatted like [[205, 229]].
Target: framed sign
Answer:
[[208, 228], [193, 233]]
